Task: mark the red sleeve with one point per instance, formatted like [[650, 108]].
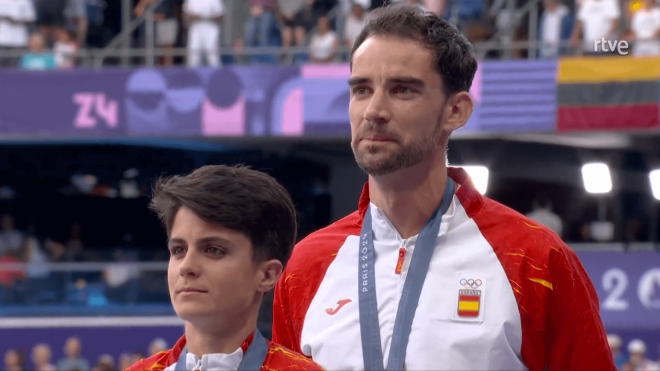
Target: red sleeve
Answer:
[[561, 325], [578, 341]]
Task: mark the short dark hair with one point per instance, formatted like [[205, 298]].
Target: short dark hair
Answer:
[[454, 58], [236, 197]]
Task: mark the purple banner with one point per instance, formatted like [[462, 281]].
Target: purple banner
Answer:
[[628, 286], [311, 100]]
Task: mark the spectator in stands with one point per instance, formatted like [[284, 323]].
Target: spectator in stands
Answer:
[[38, 58], [596, 20], [615, 344], [105, 363], [167, 25], [125, 361], [542, 214], [15, 15], [50, 16], [555, 26], [11, 239], [157, 345], [41, 355], [76, 16], [645, 27], [293, 15], [259, 23], [324, 43], [73, 361], [203, 18], [13, 361], [65, 50], [637, 352], [137, 357], [355, 21]]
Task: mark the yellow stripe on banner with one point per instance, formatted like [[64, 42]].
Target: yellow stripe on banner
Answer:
[[607, 69], [468, 305]]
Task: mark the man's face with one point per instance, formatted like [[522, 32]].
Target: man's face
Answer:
[[41, 355], [72, 348], [211, 273], [396, 105], [12, 359], [637, 358]]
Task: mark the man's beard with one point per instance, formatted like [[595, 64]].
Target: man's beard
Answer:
[[407, 156]]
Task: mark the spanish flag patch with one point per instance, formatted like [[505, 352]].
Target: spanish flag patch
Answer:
[[468, 303]]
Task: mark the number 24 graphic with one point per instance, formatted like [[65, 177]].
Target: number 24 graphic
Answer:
[[90, 103]]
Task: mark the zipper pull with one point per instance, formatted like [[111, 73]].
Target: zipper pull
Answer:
[[399, 262]]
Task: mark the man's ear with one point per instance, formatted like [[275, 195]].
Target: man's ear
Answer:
[[457, 111], [269, 272]]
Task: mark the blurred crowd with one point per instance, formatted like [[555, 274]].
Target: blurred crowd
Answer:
[[37, 284], [42, 360], [48, 33], [635, 360]]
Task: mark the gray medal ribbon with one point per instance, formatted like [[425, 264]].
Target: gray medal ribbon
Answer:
[[372, 351], [252, 360]]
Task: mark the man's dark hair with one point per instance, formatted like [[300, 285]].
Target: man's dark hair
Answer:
[[453, 58], [238, 198]]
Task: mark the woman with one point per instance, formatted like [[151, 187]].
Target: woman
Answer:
[[230, 231]]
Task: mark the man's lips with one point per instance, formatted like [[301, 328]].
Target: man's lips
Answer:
[[190, 289], [379, 138]]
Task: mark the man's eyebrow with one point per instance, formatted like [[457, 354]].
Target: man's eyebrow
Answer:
[[357, 81], [408, 80]]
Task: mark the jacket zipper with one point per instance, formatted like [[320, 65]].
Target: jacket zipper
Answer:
[[399, 262]]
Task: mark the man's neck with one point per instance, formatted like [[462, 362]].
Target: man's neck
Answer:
[[203, 338], [409, 197]]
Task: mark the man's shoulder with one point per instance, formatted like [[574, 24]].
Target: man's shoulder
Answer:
[[157, 362], [509, 232], [282, 358]]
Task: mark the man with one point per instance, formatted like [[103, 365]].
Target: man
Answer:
[[645, 27], [428, 274], [555, 27], [615, 343], [638, 360], [41, 355], [596, 20], [15, 16], [38, 58], [230, 231], [204, 17], [73, 361]]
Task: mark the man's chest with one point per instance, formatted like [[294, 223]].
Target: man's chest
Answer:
[[467, 316]]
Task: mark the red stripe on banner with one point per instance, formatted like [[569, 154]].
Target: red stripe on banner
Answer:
[[468, 313], [468, 298], [636, 116]]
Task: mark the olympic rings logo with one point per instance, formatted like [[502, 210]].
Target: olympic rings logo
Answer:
[[470, 283]]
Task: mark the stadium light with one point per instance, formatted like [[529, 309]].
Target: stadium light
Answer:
[[596, 177], [479, 176], [654, 177]]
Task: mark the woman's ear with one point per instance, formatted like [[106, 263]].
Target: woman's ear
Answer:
[[270, 271]]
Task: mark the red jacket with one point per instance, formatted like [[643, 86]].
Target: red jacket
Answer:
[[278, 358], [537, 310]]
